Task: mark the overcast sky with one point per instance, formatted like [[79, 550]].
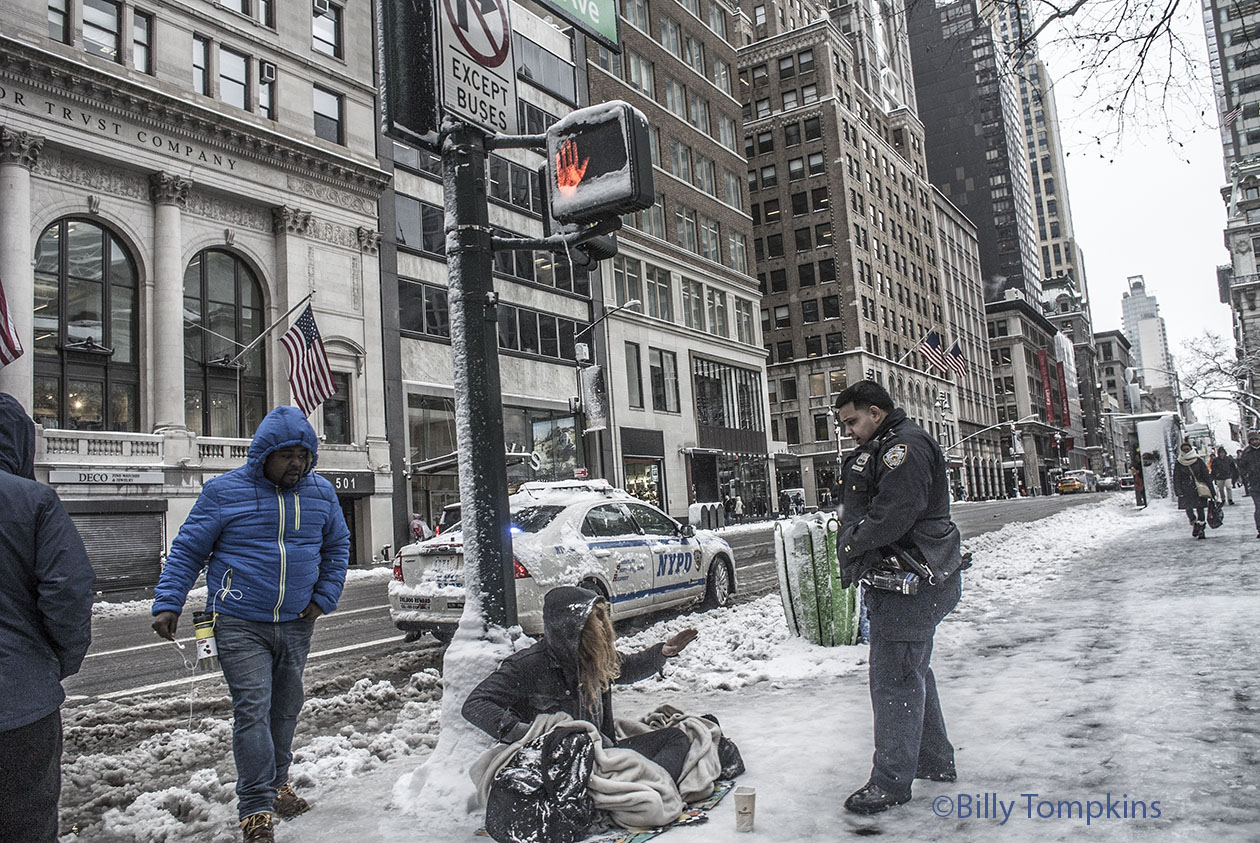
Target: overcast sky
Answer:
[[1149, 207]]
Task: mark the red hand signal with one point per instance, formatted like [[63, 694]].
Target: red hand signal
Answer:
[[568, 171]]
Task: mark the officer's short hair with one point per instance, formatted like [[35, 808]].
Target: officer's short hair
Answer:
[[865, 394]]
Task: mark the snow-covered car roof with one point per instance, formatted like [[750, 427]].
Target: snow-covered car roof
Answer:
[[566, 493]]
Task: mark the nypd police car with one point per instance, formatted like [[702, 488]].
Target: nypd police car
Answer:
[[583, 533]]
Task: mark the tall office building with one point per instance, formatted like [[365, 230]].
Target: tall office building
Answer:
[[1235, 61], [972, 120], [1148, 337], [178, 177], [846, 238]]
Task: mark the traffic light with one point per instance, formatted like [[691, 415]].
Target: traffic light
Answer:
[[599, 163], [588, 253]]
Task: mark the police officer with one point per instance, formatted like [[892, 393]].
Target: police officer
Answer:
[[896, 500]]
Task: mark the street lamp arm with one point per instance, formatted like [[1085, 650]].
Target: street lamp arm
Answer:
[[607, 313], [990, 427]]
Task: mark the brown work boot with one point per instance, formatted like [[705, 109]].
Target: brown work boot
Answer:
[[257, 828], [288, 804]]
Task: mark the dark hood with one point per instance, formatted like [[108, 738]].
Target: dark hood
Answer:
[[283, 427], [17, 439], [565, 610]]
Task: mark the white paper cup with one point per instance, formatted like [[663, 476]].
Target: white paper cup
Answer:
[[745, 807]]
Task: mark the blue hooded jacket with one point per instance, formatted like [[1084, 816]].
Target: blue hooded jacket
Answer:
[[271, 551], [45, 582]]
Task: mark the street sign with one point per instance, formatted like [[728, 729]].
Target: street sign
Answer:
[[599, 163], [597, 18], [408, 89], [478, 72]]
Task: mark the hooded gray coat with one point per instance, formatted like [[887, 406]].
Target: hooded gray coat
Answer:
[[544, 678], [45, 582]]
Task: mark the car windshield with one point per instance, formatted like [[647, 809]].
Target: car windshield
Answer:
[[528, 519]]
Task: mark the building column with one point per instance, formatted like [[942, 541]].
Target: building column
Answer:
[[18, 153], [295, 277], [169, 193]]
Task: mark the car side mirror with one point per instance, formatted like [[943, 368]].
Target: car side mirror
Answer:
[[687, 531]]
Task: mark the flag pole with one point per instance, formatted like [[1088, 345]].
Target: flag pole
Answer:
[[269, 329], [901, 359]]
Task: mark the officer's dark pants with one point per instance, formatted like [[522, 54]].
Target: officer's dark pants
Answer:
[[30, 781], [909, 728]]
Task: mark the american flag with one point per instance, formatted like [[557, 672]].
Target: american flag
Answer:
[[1231, 116], [933, 351], [10, 343], [309, 375], [955, 360]]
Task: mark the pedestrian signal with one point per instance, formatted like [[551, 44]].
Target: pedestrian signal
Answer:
[[587, 254], [599, 163]]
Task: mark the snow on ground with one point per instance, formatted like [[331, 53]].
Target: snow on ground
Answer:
[[197, 596], [1056, 678]]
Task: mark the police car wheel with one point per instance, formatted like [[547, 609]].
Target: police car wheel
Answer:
[[717, 590], [593, 585]]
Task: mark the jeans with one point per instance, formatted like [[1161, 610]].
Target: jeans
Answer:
[[1224, 490], [1196, 514], [30, 781], [667, 747], [263, 664], [909, 726]]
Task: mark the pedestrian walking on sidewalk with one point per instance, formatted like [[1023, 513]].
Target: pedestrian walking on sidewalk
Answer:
[[1249, 471], [277, 546], [896, 499], [1224, 473], [45, 628], [1192, 484]]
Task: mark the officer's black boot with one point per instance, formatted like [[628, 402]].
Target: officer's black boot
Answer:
[[871, 799]]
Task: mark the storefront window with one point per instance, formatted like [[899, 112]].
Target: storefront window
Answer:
[[644, 479], [85, 325], [746, 477]]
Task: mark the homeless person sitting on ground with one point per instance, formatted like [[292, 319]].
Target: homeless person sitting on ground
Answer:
[[560, 758]]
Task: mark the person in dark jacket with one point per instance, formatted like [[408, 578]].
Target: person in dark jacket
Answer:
[[45, 629], [278, 547], [572, 669], [1192, 484], [896, 500], [1224, 473], [1249, 473]]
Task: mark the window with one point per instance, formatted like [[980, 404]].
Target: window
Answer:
[[722, 75], [822, 427], [680, 159], [663, 372], [710, 239], [778, 280], [636, 12], [744, 321], [326, 32], [771, 210], [608, 60], [327, 114], [774, 246], [792, 429], [634, 376], [768, 177], [675, 98], [831, 307], [59, 20], [782, 316], [626, 282], [813, 128], [805, 61], [787, 67], [820, 199], [671, 37], [234, 78], [336, 411], [142, 42], [759, 15], [800, 204], [796, 169], [804, 241], [734, 194], [763, 107], [86, 333], [201, 65], [792, 134], [789, 100], [223, 312], [693, 54], [716, 309], [607, 521], [737, 244], [685, 233], [805, 275], [809, 310], [787, 389], [816, 165], [717, 19], [727, 132], [102, 23], [660, 297], [693, 304], [640, 75], [698, 111]]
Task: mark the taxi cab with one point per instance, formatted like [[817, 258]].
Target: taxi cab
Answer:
[[585, 533]]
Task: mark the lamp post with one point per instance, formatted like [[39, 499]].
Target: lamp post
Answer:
[[584, 359]]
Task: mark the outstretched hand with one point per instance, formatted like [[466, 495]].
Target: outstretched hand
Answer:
[[675, 645]]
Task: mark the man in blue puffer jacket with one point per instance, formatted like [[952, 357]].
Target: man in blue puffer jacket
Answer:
[[45, 628], [277, 546]]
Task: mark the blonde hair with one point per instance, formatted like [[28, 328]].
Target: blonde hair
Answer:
[[598, 661]]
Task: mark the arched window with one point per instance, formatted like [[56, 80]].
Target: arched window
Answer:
[[86, 329], [223, 313]]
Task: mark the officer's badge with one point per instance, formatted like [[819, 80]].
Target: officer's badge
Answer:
[[860, 462], [895, 456]]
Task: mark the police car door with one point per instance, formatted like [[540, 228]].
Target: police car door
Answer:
[[676, 571], [615, 544]]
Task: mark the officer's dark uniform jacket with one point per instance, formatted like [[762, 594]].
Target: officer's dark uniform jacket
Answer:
[[896, 492], [544, 678]]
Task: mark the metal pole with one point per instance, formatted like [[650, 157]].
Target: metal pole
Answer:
[[475, 364]]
